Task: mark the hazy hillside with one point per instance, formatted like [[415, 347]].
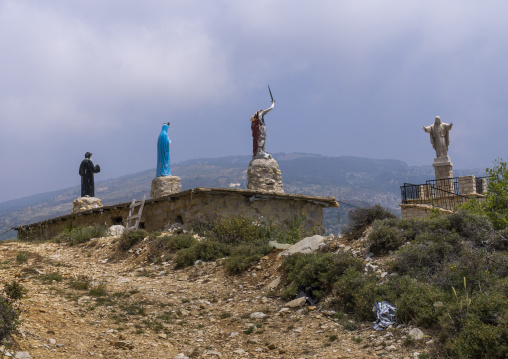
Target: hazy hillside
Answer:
[[352, 180]]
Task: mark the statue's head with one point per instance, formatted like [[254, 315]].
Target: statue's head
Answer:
[[88, 155], [438, 120]]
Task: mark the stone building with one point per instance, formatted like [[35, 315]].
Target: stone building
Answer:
[[182, 207]]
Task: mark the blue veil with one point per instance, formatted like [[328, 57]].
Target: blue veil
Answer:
[[163, 165]]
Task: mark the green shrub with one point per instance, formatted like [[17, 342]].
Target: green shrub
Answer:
[[359, 218], [131, 238], [81, 234], [480, 340], [384, 238], [423, 258], [22, 256], [474, 227], [235, 230], [80, 282], [244, 255], [208, 251], [417, 303], [185, 257], [292, 234], [14, 290], [97, 291], [164, 245], [8, 318], [179, 241], [316, 270], [356, 293], [205, 250]]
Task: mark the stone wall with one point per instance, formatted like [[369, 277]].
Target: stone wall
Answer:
[[277, 209], [419, 210]]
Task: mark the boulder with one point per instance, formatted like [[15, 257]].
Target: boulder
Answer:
[[85, 203], [306, 245], [116, 230]]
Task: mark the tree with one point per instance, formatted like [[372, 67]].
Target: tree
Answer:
[[495, 204]]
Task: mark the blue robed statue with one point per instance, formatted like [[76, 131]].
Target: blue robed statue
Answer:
[[163, 144]]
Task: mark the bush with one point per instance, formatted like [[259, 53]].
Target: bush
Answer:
[[131, 238], [384, 238], [244, 255], [235, 230], [316, 270], [81, 234], [185, 257], [179, 241], [22, 256], [423, 258], [356, 293], [14, 290], [416, 302], [474, 227], [205, 250], [211, 250], [8, 317], [292, 234], [480, 340], [359, 218], [81, 282]]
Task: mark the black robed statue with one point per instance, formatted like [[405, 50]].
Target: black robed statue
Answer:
[[86, 171]]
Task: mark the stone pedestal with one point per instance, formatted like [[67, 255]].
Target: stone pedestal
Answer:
[[85, 203], [443, 167], [165, 185], [443, 171], [264, 174]]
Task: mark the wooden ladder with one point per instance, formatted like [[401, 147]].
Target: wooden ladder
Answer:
[[135, 216]]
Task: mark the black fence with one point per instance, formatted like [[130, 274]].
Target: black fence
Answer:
[[443, 193]]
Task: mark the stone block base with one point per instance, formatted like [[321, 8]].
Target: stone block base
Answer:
[[443, 168], [165, 185], [264, 174], [85, 203]]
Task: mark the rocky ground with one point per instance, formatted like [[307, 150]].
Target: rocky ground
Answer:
[[92, 301]]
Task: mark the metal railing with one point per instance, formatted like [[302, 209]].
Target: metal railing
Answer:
[[442, 193]]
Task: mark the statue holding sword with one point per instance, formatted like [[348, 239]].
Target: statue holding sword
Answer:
[[258, 128]]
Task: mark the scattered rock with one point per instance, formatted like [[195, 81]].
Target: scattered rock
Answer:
[[306, 245], [273, 284], [258, 315], [277, 245], [295, 303], [416, 333], [22, 355], [116, 230]]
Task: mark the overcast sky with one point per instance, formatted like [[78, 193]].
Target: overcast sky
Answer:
[[352, 77]]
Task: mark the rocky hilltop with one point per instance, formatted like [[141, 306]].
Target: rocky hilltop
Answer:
[[94, 301]]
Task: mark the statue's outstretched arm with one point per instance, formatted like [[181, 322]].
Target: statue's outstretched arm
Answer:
[[427, 129], [268, 109]]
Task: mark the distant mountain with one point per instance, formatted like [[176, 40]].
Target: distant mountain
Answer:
[[352, 180]]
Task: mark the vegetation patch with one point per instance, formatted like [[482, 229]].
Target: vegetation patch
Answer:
[[130, 238], [81, 234]]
